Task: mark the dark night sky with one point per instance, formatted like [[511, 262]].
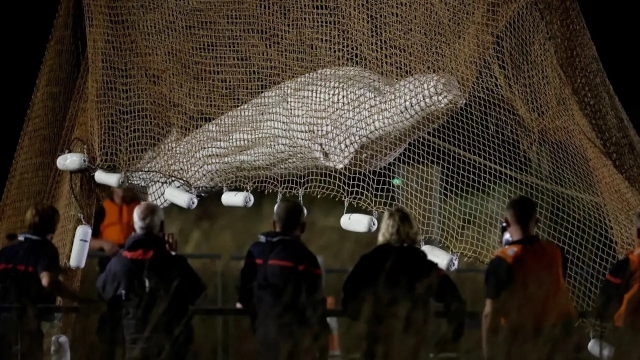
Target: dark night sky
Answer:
[[610, 24]]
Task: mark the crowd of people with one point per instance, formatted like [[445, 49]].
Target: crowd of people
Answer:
[[149, 289]]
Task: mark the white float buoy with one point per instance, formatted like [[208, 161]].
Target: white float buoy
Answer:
[[60, 348], [180, 197], [597, 346], [439, 256], [72, 162], [80, 247], [108, 179], [361, 223], [237, 199]]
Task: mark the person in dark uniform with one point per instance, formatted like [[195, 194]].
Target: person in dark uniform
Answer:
[[281, 285], [154, 288], [619, 301], [112, 225], [528, 310], [29, 276], [391, 287]]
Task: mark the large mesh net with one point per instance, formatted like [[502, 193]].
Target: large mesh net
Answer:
[[446, 107]]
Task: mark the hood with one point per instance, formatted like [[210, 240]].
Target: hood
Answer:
[[25, 236], [275, 236], [144, 241]]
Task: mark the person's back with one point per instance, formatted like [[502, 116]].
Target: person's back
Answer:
[[288, 279], [19, 265], [155, 290], [538, 296], [29, 270], [281, 284], [386, 276], [528, 308], [390, 289], [20, 286]]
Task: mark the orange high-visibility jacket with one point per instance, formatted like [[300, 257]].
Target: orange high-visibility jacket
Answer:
[[117, 225], [538, 295], [629, 313]]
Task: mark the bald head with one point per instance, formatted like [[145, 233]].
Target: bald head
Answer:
[[147, 218], [289, 218]]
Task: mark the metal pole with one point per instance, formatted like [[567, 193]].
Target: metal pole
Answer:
[[219, 281], [438, 204], [20, 338]]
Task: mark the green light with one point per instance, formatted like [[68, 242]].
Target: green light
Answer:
[[396, 181]]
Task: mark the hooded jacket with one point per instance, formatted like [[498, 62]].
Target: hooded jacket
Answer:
[[155, 289], [281, 276]]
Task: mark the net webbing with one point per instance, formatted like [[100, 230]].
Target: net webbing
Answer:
[[446, 107]]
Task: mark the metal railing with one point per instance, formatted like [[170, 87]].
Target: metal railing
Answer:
[[221, 312]]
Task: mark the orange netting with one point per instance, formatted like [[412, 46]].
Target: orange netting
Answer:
[[467, 103]]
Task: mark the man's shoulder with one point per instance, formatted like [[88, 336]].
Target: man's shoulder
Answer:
[[508, 253], [7, 250], [257, 247], [40, 247]]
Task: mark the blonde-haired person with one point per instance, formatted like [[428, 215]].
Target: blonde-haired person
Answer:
[[390, 289], [29, 276]]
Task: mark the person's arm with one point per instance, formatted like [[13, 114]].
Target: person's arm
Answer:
[[314, 284], [612, 291], [49, 271], [246, 280], [109, 284], [497, 278], [455, 306]]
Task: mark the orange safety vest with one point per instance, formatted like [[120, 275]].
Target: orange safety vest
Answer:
[[538, 296], [629, 313], [117, 225]]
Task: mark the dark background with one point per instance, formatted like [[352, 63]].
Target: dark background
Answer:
[[612, 26]]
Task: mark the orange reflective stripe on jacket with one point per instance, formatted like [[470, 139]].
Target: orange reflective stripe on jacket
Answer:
[[538, 295], [117, 225], [629, 313]]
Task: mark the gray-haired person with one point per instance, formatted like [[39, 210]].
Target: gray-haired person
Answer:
[[155, 288]]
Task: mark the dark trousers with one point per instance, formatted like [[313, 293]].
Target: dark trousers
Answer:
[[24, 341], [279, 339], [110, 332]]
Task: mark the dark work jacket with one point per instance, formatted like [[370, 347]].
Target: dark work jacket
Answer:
[[155, 289], [389, 276], [281, 279], [21, 264]]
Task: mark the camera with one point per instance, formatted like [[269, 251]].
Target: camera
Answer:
[[505, 236]]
